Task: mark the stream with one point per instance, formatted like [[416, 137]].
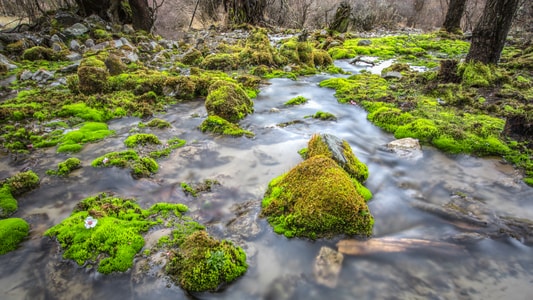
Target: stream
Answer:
[[280, 268]]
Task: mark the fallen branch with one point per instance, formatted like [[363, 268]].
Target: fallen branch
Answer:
[[360, 59]]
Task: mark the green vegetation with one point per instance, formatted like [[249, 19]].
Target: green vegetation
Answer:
[[8, 204], [12, 232], [296, 101], [89, 132], [201, 263], [140, 166], [158, 123], [22, 182], [317, 198], [107, 231], [64, 168], [228, 101], [141, 139], [218, 125], [169, 146], [193, 190], [324, 116]]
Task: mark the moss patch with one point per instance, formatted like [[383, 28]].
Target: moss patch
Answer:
[[8, 204], [218, 125], [140, 166], [12, 232], [89, 132], [202, 263], [116, 237], [64, 168], [228, 100], [296, 101]]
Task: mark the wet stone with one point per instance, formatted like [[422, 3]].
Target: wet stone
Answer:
[[328, 265], [76, 30], [407, 148]]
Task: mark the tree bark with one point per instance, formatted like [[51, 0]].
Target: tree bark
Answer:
[[488, 37], [454, 14], [245, 11], [341, 20], [137, 12]]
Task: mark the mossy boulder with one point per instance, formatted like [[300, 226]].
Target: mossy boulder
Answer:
[[141, 139], [42, 53], [106, 231], [220, 61], [228, 100], [259, 51], [340, 151], [192, 57], [89, 132], [12, 232], [93, 76], [202, 263], [317, 198], [115, 65], [22, 182]]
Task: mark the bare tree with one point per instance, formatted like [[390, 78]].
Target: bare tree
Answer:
[[245, 11], [488, 37]]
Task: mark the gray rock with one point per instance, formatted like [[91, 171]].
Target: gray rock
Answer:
[[56, 39], [26, 75], [407, 148], [57, 47], [4, 60], [71, 68], [328, 265], [364, 43], [74, 56], [128, 29], [76, 30], [89, 43], [75, 45], [42, 76], [392, 74]]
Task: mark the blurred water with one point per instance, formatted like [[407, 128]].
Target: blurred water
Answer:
[[488, 269]]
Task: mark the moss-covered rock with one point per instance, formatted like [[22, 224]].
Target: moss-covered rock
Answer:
[[140, 166], [73, 141], [12, 232], [93, 75], [141, 139], [228, 100], [317, 198], [202, 263], [340, 151], [220, 61], [106, 231], [64, 168], [218, 125], [192, 57], [22, 182], [42, 53]]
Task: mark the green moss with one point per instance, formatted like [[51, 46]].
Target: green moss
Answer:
[[322, 115], [140, 166], [22, 182], [88, 132], [317, 198], [476, 74], [81, 110], [422, 129], [42, 53], [296, 101], [228, 100], [12, 232], [192, 57], [93, 76], [169, 146], [115, 239], [141, 139], [64, 168], [218, 125], [8, 204], [158, 123], [202, 263], [340, 152], [220, 61]]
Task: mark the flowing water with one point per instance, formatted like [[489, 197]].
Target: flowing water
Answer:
[[281, 268]]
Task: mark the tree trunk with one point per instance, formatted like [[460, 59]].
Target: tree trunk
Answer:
[[245, 11], [137, 12], [452, 22], [488, 37], [342, 18]]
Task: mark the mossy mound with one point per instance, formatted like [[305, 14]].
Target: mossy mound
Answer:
[[12, 232], [22, 182], [93, 75], [112, 236], [42, 53], [8, 204], [317, 198], [141, 139], [218, 125], [340, 151], [140, 166], [296, 101], [202, 263], [64, 168], [258, 51], [228, 100]]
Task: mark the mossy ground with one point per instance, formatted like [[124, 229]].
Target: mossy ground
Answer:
[[113, 242], [64, 168], [464, 112]]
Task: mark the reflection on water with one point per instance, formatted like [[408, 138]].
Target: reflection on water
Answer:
[[282, 268]]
